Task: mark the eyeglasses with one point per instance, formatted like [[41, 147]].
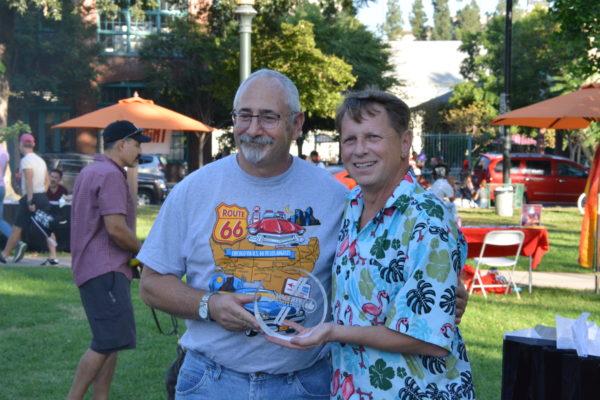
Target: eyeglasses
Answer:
[[242, 120]]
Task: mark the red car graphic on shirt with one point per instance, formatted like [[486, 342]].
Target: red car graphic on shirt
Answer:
[[274, 230]]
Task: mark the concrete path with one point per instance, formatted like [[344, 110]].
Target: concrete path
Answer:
[[555, 279]]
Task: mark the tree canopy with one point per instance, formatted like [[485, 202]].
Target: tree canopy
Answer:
[[418, 20], [442, 21], [579, 28], [392, 25]]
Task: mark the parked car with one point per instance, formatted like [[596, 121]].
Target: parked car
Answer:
[[547, 179], [152, 164], [152, 188]]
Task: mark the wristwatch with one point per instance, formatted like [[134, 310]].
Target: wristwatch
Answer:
[[203, 308]]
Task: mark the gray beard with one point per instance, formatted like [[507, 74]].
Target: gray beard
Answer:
[[254, 149]]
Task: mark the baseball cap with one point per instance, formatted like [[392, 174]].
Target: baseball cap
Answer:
[[124, 129], [26, 138]]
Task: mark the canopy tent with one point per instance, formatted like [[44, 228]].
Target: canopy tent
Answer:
[[142, 112], [574, 110]]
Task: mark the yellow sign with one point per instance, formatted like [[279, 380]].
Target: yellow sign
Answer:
[[231, 225]]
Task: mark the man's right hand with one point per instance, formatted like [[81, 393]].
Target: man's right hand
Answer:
[[227, 309]]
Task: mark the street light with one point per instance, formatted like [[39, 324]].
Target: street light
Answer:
[[246, 12]]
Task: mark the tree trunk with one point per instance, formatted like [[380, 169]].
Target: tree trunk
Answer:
[[7, 28]]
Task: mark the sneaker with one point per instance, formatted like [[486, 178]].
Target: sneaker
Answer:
[[19, 251], [50, 261]]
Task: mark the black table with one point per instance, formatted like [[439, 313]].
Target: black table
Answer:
[[534, 369]]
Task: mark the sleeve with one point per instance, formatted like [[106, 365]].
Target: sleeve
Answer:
[[163, 249], [425, 306], [112, 193], [26, 163]]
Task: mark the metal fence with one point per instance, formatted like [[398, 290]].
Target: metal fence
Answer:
[[452, 149]]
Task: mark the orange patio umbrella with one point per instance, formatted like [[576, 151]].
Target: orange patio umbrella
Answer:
[[574, 110], [142, 112]]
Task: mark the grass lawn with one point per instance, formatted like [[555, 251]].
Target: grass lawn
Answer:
[[43, 330], [43, 333]]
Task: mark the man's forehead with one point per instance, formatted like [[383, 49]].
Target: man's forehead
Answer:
[[262, 95]]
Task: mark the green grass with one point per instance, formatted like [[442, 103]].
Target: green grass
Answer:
[[43, 333], [43, 330]]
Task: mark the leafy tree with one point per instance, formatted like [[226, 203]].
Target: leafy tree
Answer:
[[295, 54], [183, 67], [537, 58], [442, 21], [418, 20], [392, 26], [61, 63], [468, 20], [471, 110], [50, 9], [579, 22], [347, 38]]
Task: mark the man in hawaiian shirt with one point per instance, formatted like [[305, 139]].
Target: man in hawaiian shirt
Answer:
[[396, 269]]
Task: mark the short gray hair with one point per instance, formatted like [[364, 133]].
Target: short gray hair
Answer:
[[292, 98]]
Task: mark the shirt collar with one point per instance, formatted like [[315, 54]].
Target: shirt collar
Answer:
[[104, 158]]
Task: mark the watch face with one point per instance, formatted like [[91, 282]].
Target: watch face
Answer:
[[204, 310]]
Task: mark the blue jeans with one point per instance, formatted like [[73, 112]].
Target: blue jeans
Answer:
[[199, 379], [5, 228]]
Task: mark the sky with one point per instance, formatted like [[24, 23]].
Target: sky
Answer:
[[375, 13]]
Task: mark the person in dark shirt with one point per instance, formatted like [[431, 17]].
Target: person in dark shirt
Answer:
[[55, 189]]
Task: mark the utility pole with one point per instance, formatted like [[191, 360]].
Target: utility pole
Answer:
[[246, 12], [505, 97]]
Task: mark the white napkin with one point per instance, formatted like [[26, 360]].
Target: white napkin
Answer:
[[580, 334]]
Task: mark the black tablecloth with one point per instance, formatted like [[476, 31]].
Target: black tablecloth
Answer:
[[537, 370]]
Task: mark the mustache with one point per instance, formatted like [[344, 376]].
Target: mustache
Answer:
[[245, 138]]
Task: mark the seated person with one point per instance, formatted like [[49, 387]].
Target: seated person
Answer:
[[441, 187], [468, 192], [55, 189], [444, 187], [481, 197]]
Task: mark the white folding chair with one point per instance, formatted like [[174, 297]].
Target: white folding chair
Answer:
[[497, 239]]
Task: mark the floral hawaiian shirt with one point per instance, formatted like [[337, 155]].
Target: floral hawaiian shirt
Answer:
[[400, 271]]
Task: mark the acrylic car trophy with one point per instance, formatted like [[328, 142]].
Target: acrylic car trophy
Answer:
[[302, 300]]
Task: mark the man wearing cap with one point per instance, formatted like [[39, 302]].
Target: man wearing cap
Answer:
[[102, 242], [34, 182]]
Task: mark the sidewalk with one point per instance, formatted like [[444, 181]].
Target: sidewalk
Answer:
[[562, 280]]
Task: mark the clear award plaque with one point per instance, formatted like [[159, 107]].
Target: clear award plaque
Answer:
[[302, 300]]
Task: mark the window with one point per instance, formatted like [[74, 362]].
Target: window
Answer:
[[482, 164], [515, 166], [113, 92], [567, 169], [537, 167], [124, 35], [178, 147]]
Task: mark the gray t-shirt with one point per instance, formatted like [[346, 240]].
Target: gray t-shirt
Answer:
[[210, 225]]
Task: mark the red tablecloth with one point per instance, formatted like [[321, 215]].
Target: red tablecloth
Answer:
[[535, 244]]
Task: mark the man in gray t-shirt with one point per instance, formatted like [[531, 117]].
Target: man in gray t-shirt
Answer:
[[214, 229]]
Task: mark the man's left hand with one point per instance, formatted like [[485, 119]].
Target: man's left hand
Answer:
[[462, 298]]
